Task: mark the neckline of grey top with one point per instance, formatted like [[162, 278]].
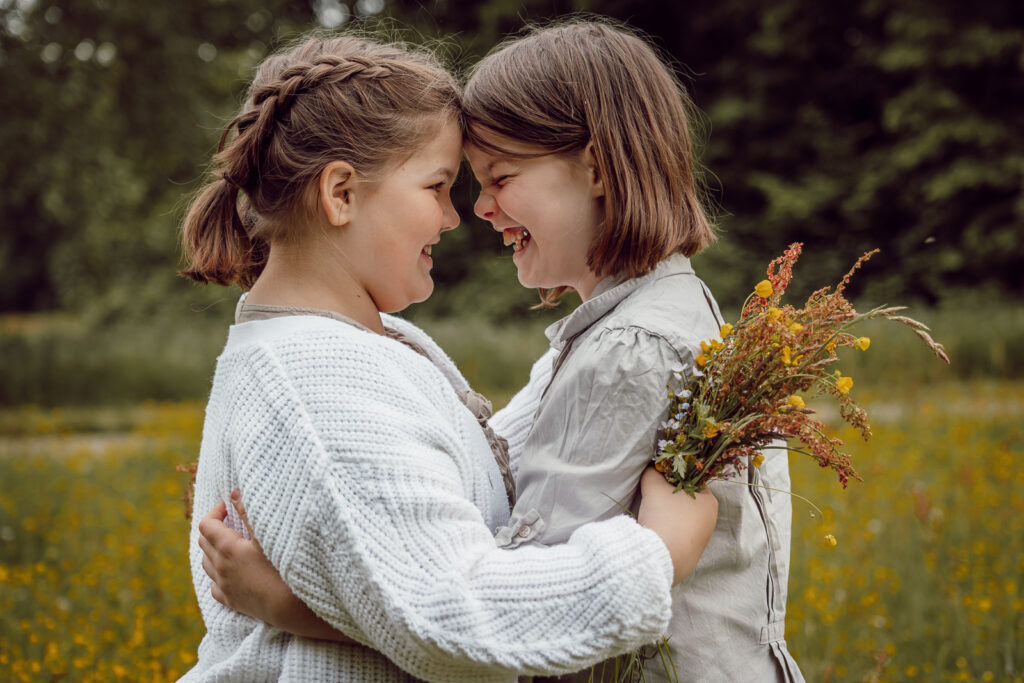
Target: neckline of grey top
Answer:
[[475, 402]]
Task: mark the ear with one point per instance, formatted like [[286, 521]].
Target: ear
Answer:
[[593, 172], [337, 182]]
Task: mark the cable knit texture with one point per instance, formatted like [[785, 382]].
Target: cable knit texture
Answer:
[[367, 483]]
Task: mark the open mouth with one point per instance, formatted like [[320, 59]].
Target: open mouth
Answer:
[[517, 237], [426, 250]]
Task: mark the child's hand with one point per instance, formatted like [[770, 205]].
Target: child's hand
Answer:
[[683, 523], [243, 578], [246, 581]]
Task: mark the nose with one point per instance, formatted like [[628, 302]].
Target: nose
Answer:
[[451, 217], [485, 207]]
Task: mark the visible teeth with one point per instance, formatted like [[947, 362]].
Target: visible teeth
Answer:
[[515, 237], [426, 249]]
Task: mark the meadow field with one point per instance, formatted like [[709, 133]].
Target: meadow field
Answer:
[[926, 582]]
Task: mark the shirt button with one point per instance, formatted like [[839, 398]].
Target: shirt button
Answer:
[[524, 531]]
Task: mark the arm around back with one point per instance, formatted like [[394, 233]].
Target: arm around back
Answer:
[[372, 523]]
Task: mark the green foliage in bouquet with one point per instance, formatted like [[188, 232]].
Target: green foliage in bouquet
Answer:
[[745, 391]]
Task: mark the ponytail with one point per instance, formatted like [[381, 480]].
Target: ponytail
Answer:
[[217, 247], [322, 99]]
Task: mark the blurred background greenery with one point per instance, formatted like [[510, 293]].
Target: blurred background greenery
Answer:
[[846, 125], [853, 125]]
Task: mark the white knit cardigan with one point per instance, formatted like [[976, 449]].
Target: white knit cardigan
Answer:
[[366, 482]]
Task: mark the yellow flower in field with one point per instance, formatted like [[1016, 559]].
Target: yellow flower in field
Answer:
[[831, 346], [863, 343], [844, 384], [702, 360], [774, 314], [710, 430], [716, 345], [797, 402], [726, 330], [786, 356], [705, 347], [758, 460], [763, 289], [831, 541], [796, 327]]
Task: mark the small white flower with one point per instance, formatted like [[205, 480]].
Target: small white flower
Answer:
[[662, 445]]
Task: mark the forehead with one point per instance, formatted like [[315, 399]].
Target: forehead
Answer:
[[443, 147], [483, 160]]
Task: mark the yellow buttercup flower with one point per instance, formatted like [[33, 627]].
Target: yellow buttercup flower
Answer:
[[757, 460], [831, 346], [774, 314], [705, 347], [702, 360], [844, 384], [797, 402], [863, 343], [727, 330], [763, 289], [786, 356], [796, 327], [831, 541], [710, 430], [716, 345]]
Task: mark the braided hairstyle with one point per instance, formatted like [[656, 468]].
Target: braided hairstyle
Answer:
[[322, 100]]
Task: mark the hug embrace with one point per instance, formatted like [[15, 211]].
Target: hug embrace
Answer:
[[392, 528]]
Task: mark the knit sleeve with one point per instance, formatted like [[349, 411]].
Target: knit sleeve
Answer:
[[514, 421], [388, 548]]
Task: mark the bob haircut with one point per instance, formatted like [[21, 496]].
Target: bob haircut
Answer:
[[557, 88]]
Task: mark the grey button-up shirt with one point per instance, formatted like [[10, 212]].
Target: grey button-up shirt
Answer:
[[594, 433]]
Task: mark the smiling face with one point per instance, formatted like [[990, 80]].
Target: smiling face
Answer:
[[549, 207], [399, 218]]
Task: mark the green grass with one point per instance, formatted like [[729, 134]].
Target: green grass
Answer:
[[926, 584], [56, 361]]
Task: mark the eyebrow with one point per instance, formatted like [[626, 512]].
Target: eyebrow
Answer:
[[495, 162]]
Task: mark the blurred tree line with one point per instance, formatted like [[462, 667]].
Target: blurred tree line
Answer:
[[849, 125]]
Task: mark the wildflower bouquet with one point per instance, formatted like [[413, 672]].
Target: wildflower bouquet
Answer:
[[746, 389]]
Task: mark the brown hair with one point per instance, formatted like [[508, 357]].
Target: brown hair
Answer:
[[559, 87], [324, 99]]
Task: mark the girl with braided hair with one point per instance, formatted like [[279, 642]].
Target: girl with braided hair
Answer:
[[371, 478]]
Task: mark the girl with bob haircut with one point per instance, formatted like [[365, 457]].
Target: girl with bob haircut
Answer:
[[580, 137], [372, 480]]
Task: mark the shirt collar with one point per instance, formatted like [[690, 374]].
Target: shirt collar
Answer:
[[608, 293]]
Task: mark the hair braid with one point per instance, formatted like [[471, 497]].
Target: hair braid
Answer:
[[363, 102]]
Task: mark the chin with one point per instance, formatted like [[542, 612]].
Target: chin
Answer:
[[526, 281], [408, 298]]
